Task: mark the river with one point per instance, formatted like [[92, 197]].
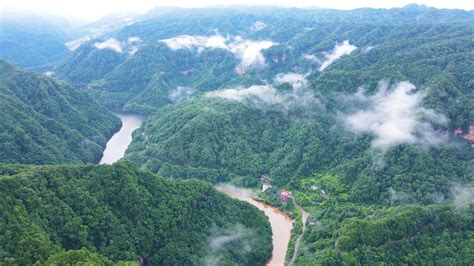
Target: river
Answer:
[[281, 223], [117, 145]]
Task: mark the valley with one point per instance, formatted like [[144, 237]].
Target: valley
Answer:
[[280, 223], [247, 135]]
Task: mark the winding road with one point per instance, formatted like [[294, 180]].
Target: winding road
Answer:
[[304, 219]]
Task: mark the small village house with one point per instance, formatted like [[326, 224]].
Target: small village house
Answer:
[[285, 195]]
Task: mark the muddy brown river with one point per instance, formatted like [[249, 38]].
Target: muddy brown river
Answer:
[[281, 223]]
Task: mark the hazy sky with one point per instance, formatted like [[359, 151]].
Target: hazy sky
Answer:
[[94, 9]]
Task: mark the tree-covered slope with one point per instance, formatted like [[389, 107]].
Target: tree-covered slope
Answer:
[[45, 122], [400, 43], [219, 140], [237, 142], [408, 234], [29, 40], [123, 214], [353, 111]]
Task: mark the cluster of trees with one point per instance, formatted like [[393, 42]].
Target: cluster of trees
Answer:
[[47, 122], [110, 214], [405, 234]]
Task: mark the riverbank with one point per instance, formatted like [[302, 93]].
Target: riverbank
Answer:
[[280, 222], [304, 219]]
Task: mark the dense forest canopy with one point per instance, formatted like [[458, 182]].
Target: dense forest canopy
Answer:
[[110, 214], [364, 115], [363, 111], [145, 65], [45, 122]]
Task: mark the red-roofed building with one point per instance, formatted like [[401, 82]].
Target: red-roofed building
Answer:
[[470, 136], [458, 131], [285, 195]]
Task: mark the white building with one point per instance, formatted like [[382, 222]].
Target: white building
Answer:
[[266, 186]]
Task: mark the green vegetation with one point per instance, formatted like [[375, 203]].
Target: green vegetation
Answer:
[[365, 198], [398, 44], [30, 41], [45, 122], [120, 213], [77, 257], [405, 200], [219, 141], [361, 235]]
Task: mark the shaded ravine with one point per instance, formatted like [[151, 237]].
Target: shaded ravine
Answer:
[[118, 144], [280, 222]]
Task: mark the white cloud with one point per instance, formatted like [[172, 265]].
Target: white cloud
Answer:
[[258, 25], [181, 94], [236, 236], [267, 96], [264, 93], [312, 58], [195, 42], [297, 81], [368, 48], [395, 116], [111, 43], [133, 50], [132, 40], [463, 195], [398, 197], [339, 50], [247, 51], [132, 44]]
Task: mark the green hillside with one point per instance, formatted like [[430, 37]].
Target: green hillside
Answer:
[[45, 122], [123, 214]]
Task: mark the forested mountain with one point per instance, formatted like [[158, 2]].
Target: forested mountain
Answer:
[[364, 115], [353, 111], [109, 214], [408, 234], [140, 66], [29, 40], [44, 122]]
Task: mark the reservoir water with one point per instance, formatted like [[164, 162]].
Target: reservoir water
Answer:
[[117, 145]]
